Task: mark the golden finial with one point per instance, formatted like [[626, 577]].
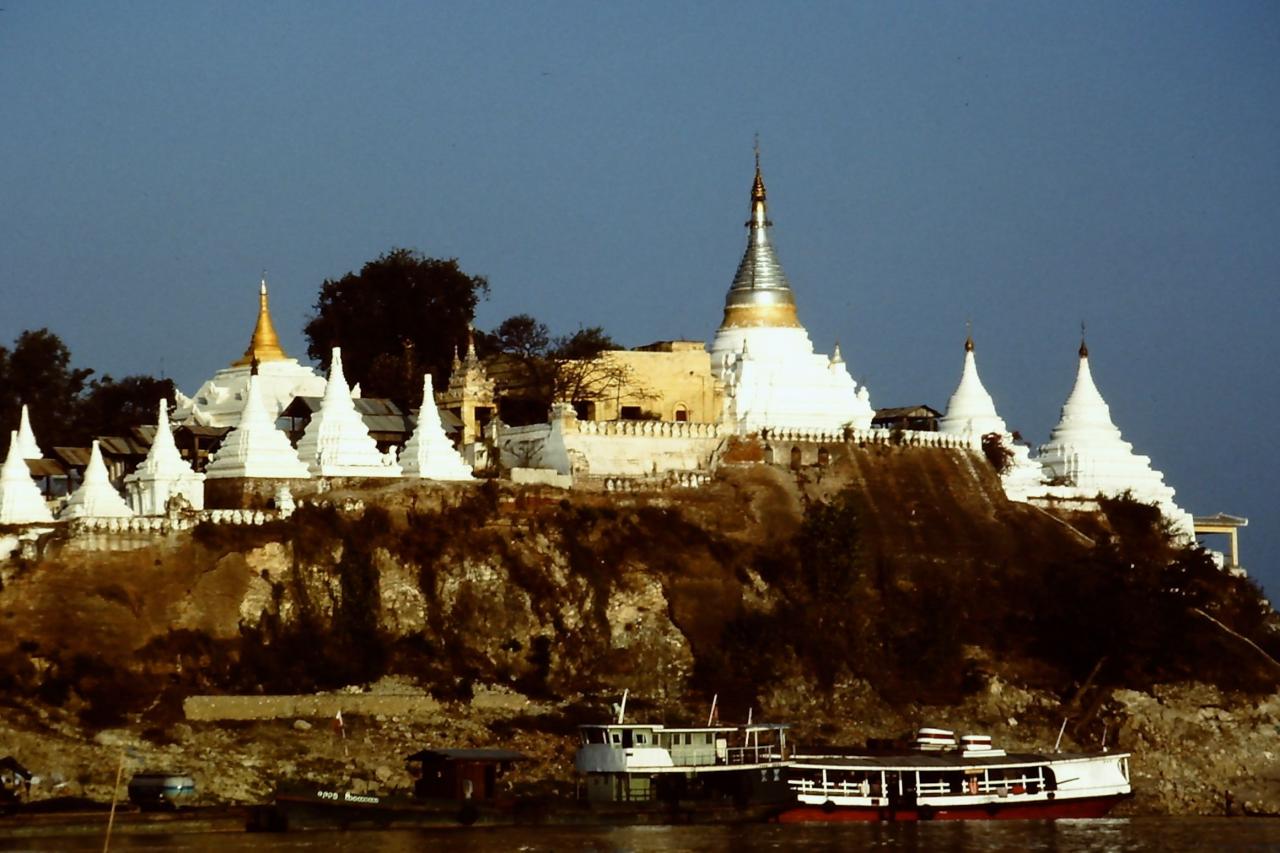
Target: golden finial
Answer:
[[968, 336], [1084, 350], [265, 344]]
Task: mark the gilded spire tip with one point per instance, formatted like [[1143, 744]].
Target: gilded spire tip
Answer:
[[1084, 350]]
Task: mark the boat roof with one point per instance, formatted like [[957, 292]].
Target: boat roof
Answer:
[[947, 760], [752, 727]]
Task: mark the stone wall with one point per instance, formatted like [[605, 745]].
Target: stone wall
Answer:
[[320, 705]]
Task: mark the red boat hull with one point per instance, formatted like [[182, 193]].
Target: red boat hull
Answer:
[[1085, 807]]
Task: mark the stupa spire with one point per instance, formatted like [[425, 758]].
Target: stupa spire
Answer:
[[163, 473], [760, 294], [971, 411], [255, 448], [26, 438], [265, 344], [429, 453], [1087, 451], [336, 443], [96, 497], [20, 498]]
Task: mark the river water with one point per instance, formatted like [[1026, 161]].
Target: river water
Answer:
[[1063, 836]]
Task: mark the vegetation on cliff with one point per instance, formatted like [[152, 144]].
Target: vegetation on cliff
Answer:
[[923, 587]]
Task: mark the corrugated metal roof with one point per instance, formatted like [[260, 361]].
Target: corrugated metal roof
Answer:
[[46, 468], [119, 445], [74, 457], [380, 415], [1221, 519]]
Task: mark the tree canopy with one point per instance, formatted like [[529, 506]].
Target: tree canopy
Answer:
[[548, 368], [38, 372], [67, 407], [401, 316]]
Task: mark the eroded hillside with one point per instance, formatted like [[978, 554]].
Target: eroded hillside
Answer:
[[854, 599]]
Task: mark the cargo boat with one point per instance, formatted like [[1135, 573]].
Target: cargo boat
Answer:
[[945, 779]]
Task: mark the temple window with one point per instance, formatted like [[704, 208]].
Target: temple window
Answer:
[[681, 413]]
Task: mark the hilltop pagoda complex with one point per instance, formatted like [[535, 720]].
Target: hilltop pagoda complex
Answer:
[[220, 400], [763, 356]]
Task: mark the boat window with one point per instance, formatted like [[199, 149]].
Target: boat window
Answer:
[[688, 738], [617, 737], [639, 737], [708, 736]]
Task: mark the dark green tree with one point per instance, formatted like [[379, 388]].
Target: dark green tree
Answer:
[[38, 372], [401, 316], [541, 369], [113, 407]]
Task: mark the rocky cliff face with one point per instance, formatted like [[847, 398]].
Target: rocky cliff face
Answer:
[[847, 599]]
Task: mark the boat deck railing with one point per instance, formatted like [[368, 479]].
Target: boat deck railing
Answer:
[[972, 786], [762, 754]]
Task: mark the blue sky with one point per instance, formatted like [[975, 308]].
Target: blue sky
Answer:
[[1025, 165]]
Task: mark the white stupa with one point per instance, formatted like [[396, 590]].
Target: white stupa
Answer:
[[20, 498], [255, 448], [772, 376], [971, 414], [336, 442], [428, 453], [163, 474], [1085, 451], [96, 497], [26, 439], [219, 400]]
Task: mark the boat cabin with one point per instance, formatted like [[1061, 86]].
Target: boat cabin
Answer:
[[460, 774], [623, 761]]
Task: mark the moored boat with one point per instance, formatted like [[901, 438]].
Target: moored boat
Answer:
[[945, 779], [639, 763]]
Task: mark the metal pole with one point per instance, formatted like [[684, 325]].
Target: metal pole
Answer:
[[111, 819]]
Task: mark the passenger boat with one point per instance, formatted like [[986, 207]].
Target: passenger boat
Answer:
[[945, 779], [653, 763]]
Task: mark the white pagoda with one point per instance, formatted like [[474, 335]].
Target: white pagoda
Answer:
[[971, 414], [771, 375], [255, 448], [163, 474], [20, 498], [96, 497], [336, 442], [428, 453], [1086, 452], [280, 378], [26, 439]]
